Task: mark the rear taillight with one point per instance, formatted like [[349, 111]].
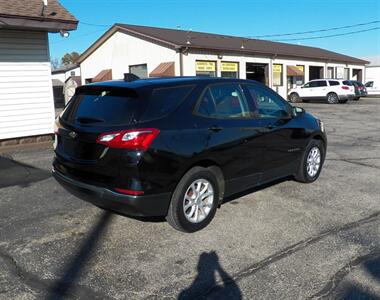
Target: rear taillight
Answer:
[[135, 139], [57, 125], [345, 87]]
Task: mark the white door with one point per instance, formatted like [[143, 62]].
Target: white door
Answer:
[[320, 91]]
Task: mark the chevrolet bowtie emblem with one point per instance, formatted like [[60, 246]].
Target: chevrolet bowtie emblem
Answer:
[[73, 134]]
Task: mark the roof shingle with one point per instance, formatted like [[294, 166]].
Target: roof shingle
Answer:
[[34, 9], [220, 42]]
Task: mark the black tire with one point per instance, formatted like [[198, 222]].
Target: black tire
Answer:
[[357, 98], [302, 173], [176, 215], [294, 98], [332, 98]]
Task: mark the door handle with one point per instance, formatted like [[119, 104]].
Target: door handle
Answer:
[[215, 128]]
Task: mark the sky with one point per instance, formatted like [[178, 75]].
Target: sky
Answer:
[[248, 18]]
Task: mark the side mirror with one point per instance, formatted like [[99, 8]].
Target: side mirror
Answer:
[[297, 111]]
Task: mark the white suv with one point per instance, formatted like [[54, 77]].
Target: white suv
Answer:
[[332, 90]]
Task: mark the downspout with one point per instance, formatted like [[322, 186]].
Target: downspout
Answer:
[[180, 52], [180, 62]]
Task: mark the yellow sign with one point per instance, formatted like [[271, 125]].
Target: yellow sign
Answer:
[[205, 66], [301, 68], [229, 66], [277, 68]]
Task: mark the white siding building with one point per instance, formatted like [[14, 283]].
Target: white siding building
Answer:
[[65, 72], [154, 52], [26, 96]]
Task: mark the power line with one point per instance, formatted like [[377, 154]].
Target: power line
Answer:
[[327, 36], [96, 25], [320, 30]]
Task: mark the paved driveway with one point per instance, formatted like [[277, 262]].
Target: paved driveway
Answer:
[[285, 241]]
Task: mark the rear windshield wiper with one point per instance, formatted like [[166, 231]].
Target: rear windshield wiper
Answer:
[[86, 120]]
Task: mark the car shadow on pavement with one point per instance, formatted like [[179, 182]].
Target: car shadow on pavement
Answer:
[[206, 286], [67, 285], [17, 173]]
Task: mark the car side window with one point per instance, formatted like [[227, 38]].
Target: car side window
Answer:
[[266, 103], [223, 101], [313, 84], [306, 85], [369, 84], [333, 82], [321, 83]]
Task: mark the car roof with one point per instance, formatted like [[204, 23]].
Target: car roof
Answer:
[[166, 81], [329, 79]]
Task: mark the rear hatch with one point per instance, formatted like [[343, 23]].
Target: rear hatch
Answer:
[[94, 110], [351, 87]]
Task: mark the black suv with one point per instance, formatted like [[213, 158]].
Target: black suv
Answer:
[[176, 147]]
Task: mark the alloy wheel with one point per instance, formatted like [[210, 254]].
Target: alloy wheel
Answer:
[[198, 200], [313, 162]]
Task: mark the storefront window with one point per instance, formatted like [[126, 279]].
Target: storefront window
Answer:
[[346, 73], [330, 72], [230, 69], [300, 80], [205, 68], [277, 75]]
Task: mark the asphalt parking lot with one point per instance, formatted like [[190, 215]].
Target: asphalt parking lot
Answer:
[[284, 241]]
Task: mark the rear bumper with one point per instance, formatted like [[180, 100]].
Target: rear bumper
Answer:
[[141, 206], [347, 97]]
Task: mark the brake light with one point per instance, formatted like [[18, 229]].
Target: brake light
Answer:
[[57, 125], [129, 192], [135, 139], [345, 87]]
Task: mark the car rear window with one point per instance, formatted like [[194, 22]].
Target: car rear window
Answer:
[[164, 101], [102, 106], [346, 82], [333, 82]]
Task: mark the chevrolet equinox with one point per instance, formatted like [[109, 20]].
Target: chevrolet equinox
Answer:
[[176, 147]]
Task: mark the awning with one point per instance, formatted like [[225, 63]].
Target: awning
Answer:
[[294, 71], [104, 75], [165, 69]]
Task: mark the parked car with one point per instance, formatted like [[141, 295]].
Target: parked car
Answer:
[[360, 89], [332, 90], [177, 147], [373, 87]]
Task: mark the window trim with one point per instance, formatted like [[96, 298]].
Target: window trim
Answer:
[[198, 102]]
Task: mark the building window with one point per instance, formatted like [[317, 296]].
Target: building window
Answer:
[[330, 72], [229, 69], [277, 75], [72, 73], [300, 80], [346, 74], [139, 70], [205, 68]]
